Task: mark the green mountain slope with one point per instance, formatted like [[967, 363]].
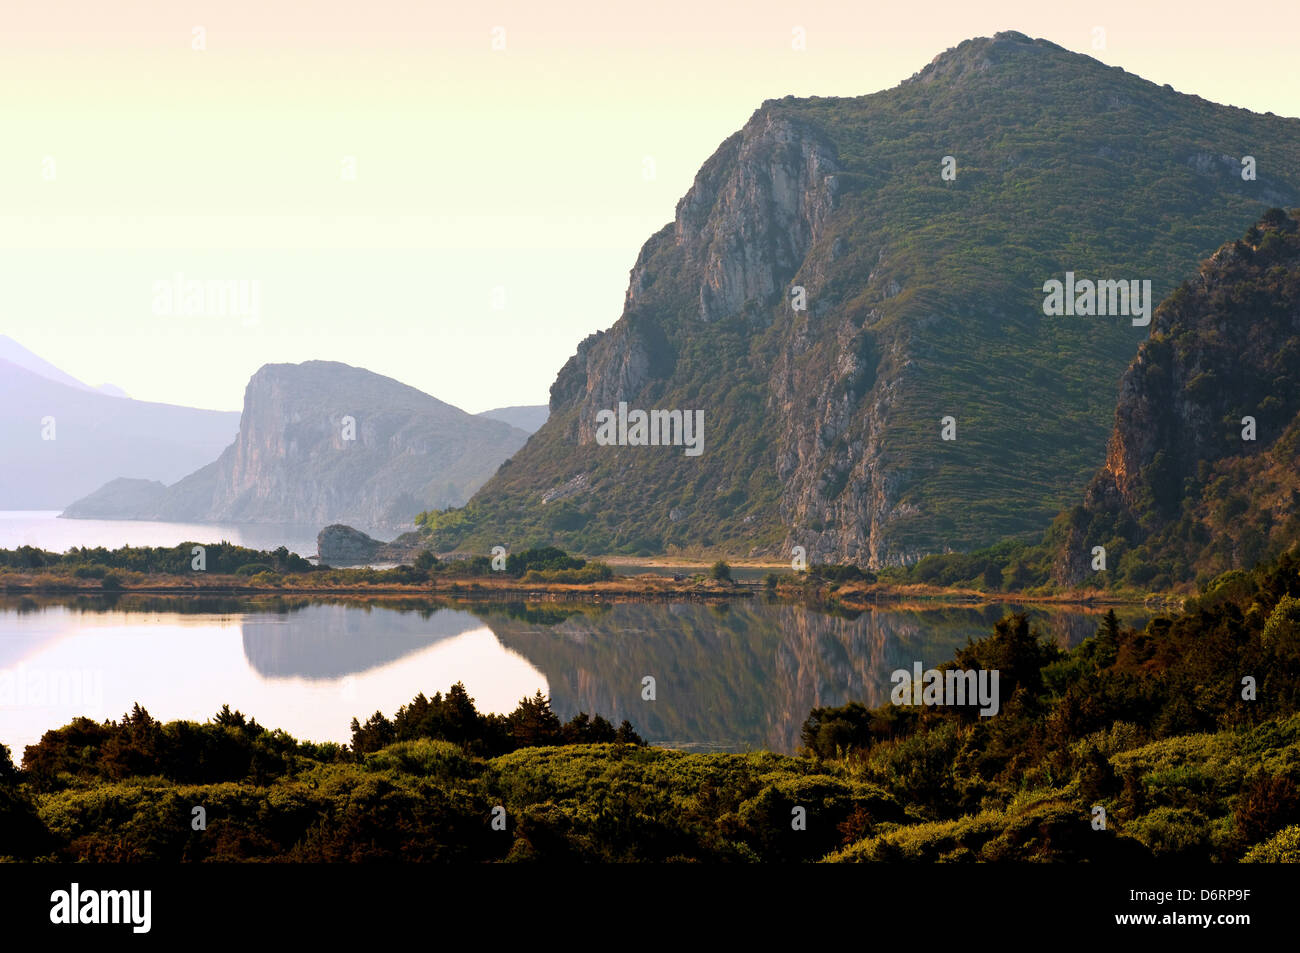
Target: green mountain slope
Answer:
[[1203, 469], [924, 300]]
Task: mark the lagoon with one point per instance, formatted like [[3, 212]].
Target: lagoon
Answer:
[[732, 677]]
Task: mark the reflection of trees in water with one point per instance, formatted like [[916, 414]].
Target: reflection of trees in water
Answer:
[[746, 677], [739, 675]]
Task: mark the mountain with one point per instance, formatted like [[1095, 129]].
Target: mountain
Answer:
[[925, 299], [1191, 487], [15, 353], [61, 441], [526, 418], [323, 442], [121, 499]]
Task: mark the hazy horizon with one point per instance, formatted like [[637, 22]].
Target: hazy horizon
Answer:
[[32, 363], [500, 196]]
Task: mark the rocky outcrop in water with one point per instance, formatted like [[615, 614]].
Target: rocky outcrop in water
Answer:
[[339, 545]]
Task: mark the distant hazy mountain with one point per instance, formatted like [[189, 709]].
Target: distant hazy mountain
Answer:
[[529, 419], [322, 443], [15, 353], [121, 499], [61, 440]]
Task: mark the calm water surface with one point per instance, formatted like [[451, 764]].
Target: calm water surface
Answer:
[[729, 677], [44, 530]]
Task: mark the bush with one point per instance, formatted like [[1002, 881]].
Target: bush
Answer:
[[1173, 832], [720, 571], [592, 572], [425, 757], [543, 559], [1282, 849], [841, 573], [1267, 804]]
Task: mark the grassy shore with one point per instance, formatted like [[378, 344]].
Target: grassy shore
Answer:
[[371, 583], [366, 582], [536, 574], [866, 595]]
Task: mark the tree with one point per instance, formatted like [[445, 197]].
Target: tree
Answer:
[[627, 734], [1015, 651], [376, 733], [1108, 640], [462, 719], [533, 723], [8, 773], [228, 718], [721, 571]]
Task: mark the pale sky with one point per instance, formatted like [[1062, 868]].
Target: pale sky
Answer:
[[531, 173]]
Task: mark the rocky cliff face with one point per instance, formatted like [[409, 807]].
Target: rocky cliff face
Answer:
[[923, 300], [323, 442], [1202, 470], [755, 210]]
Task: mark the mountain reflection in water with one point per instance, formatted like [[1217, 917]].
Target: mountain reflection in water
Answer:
[[734, 676]]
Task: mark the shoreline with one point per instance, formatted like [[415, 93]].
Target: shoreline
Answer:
[[479, 587], [864, 596], [645, 587]]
